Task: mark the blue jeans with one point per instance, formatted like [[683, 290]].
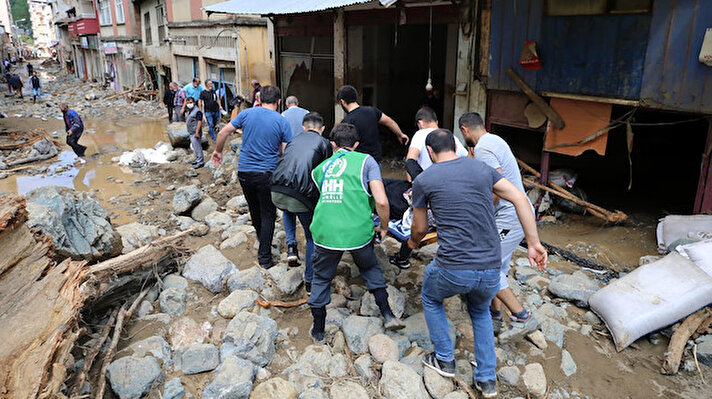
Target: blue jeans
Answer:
[[212, 118], [479, 286], [37, 93], [290, 229]]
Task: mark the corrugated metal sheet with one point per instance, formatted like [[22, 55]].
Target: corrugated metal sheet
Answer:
[[599, 55], [280, 7], [674, 78]]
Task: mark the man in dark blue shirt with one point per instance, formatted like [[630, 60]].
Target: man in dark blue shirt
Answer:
[[265, 133], [459, 192], [74, 127]]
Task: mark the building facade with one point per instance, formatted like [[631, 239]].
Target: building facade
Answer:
[[43, 31]]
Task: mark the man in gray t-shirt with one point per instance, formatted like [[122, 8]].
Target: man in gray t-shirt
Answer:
[[495, 152], [294, 114]]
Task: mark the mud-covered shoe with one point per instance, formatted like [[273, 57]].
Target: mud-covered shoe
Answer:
[[445, 369], [497, 324], [307, 287], [487, 388], [392, 323], [293, 255], [518, 328], [395, 260], [317, 337]]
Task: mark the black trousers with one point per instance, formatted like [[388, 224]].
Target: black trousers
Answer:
[[73, 141], [170, 114], [258, 193]]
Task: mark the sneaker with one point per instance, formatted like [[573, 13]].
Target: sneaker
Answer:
[[397, 261], [445, 369], [392, 323], [268, 265], [519, 328], [318, 338], [487, 388], [81, 161], [497, 324], [293, 255], [307, 287], [198, 165]]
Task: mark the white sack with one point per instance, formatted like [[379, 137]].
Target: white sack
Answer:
[[674, 227], [700, 253], [651, 297]]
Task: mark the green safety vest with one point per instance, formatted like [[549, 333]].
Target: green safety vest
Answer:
[[342, 217]]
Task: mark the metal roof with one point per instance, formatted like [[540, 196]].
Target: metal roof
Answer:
[[282, 7]]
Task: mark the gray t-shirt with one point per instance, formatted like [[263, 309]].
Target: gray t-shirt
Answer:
[[459, 192], [295, 117], [495, 152]]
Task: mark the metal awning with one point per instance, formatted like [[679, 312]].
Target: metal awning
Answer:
[[283, 7]]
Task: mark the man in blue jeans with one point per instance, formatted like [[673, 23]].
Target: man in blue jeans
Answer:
[[459, 191], [210, 104], [265, 134], [293, 190]]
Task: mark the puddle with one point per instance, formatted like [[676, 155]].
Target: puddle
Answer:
[[99, 138]]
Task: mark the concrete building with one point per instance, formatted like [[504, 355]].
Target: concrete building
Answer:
[[121, 43], [5, 16], [43, 31]]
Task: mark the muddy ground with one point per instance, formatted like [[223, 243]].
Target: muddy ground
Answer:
[[141, 194]]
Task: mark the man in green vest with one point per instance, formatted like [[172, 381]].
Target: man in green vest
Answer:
[[350, 185]]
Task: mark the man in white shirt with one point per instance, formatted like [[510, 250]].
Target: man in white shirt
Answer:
[[427, 120]]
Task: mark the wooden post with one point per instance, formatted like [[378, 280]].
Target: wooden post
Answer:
[[339, 59], [544, 167], [703, 198]]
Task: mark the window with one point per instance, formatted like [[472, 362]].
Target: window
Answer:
[[147, 28], [105, 12], [161, 17], [119, 11]]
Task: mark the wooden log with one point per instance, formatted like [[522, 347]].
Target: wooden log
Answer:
[[673, 355], [89, 358], [537, 100], [31, 159]]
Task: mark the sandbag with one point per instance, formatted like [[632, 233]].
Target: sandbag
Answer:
[[700, 253], [675, 227], [651, 297]]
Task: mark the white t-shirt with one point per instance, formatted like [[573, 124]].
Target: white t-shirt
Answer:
[[418, 141]]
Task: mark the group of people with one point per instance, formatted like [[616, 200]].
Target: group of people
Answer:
[[15, 84], [333, 184]]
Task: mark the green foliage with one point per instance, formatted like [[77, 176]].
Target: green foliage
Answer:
[[20, 13]]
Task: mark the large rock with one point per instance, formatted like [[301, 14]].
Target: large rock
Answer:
[[704, 352], [437, 385], [576, 287], [274, 388], [154, 346], [197, 358], [136, 235], [236, 203], [400, 381], [77, 225], [347, 390], [253, 337], [172, 301], [417, 330], [234, 241], [535, 379], [232, 380], [186, 331], [358, 330], [186, 198], [364, 367], [209, 267], [131, 377], [509, 375], [206, 206], [396, 300], [288, 279], [248, 279], [218, 221], [383, 348], [173, 389], [236, 302], [179, 137], [568, 366]]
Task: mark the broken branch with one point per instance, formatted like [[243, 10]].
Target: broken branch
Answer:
[[89, 358], [673, 355], [266, 304]]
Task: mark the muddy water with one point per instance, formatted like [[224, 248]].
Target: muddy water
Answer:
[[100, 138]]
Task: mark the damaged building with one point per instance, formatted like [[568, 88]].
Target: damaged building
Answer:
[[623, 96]]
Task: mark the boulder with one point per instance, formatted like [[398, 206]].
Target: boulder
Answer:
[[400, 381], [209, 267], [186, 198], [136, 235], [288, 279], [538, 339], [347, 390], [218, 221], [197, 358], [175, 281], [383, 348], [234, 241], [428, 252], [364, 367], [154, 346], [179, 137], [186, 331], [275, 388], [535, 379], [236, 203], [396, 300], [313, 393], [568, 366], [236, 302], [253, 337], [509, 375], [704, 352], [248, 279], [576, 287], [358, 330], [172, 301], [232, 380], [173, 389], [437, 385], [417, 330], [77, 225], [131, 377], [203, 209]]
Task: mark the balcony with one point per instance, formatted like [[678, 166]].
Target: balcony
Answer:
[[83, 26]]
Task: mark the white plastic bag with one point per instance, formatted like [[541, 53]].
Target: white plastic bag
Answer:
[[651, 297]]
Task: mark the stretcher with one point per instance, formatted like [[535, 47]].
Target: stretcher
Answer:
[[402, 234]]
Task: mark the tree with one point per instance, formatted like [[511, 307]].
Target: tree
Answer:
[[21, 14]]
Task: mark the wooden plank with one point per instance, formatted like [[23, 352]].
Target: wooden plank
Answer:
[[545, 162], [485, 29], [678, 46], [537, 100], [615, 101]]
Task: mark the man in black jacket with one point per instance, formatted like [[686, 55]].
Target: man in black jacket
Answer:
[[168, 98], [293, 190]]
